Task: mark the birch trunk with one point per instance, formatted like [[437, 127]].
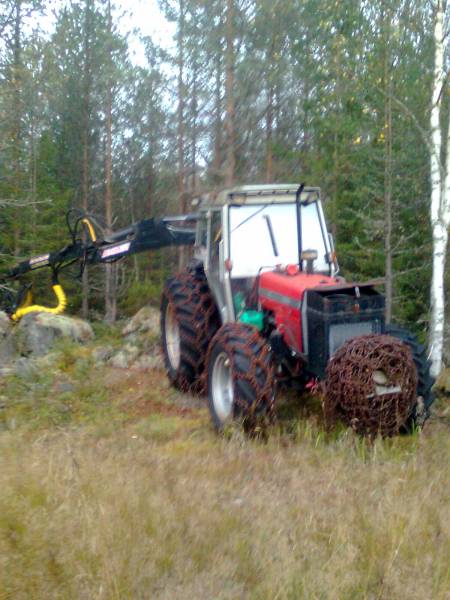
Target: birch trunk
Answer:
[[388, 168], [439, 213], [181, 151]]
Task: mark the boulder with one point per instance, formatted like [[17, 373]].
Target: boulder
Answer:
[[149, 361], [125, 357], [103, 354], [5, 324], [37, 332], [144, 321], [7, 349]]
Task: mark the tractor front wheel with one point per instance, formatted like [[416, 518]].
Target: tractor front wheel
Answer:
[[240, 377], [424, 393]]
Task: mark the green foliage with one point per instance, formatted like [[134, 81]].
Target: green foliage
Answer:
[[311, 82]]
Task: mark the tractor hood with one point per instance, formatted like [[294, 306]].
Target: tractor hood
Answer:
[[317, 307], [288, 285]]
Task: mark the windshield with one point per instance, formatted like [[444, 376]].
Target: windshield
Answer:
[[251, 243]]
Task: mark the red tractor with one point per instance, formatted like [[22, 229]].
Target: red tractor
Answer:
[[262, 304]]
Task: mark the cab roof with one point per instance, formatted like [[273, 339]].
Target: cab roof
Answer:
[[257, 194]]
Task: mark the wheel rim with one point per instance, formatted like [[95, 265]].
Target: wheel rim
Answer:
[[172, 332], [222, 387]]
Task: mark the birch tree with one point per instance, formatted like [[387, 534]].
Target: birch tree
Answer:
[[440, 191]]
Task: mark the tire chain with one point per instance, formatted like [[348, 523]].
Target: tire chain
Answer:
[[258, 353], [193, 287], [350, 388]]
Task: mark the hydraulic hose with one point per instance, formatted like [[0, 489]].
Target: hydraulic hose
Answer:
[[57, 310]]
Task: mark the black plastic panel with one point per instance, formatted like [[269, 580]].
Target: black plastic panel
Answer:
[[351, 307]]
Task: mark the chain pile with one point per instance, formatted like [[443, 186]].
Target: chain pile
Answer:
[[371, 385], [252, 372]]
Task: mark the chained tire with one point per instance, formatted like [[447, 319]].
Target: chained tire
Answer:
[[425, 382], [189, 320], [241, 383]]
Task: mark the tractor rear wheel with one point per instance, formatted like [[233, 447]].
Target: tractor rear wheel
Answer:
[[241, 380], [424, 394], [189, 320]]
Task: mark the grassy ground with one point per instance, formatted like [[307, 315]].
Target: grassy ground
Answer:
[[112, 485]]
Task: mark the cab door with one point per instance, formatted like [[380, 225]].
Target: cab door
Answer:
[[214, 266]]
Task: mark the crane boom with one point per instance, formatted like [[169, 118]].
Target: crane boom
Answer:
[[91, 245]]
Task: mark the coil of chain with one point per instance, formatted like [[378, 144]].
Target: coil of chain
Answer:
[[198, 321], [371, 385], [252, 370]]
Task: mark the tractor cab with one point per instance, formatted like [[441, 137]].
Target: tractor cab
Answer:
[[249, 230]]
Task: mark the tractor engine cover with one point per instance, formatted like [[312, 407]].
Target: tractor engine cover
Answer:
[[371, 384], [281, 292]]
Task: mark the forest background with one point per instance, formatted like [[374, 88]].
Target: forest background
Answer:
[[331, 93]]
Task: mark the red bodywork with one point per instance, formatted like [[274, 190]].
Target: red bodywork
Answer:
[[281, 293]]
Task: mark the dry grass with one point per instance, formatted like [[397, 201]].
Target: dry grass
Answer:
[[155, 506]]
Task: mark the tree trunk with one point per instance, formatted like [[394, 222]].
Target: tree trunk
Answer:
[[218, 120], [336, 142], [194, 119], [86, 139], [181, 102], [229, 123], [150, 176], [269, 133], [439, 213], [388, 170], [110, 269], [17, 120]]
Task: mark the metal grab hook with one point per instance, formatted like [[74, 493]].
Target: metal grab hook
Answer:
[[28, 308]]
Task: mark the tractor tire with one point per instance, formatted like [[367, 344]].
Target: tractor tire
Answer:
[[189, 320], [424, 394], [241, 381]]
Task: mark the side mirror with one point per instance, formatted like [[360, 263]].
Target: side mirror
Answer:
[[332, 259], [309, 256]]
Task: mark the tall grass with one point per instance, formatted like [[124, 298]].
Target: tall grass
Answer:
[[159, 507], [140, 515]]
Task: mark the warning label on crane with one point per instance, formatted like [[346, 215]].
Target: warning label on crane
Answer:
[[115, 250]]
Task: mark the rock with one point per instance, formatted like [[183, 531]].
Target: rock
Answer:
[[25, 367], [6, 345], [5, 324], [132, 352], [37, 332], [119, 360], [103, 354], [7, 351], [144, 321], [148, 361], [64, 387], [125, 357], [5, 371]]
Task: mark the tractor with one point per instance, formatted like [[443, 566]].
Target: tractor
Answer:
[[261, 306]]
